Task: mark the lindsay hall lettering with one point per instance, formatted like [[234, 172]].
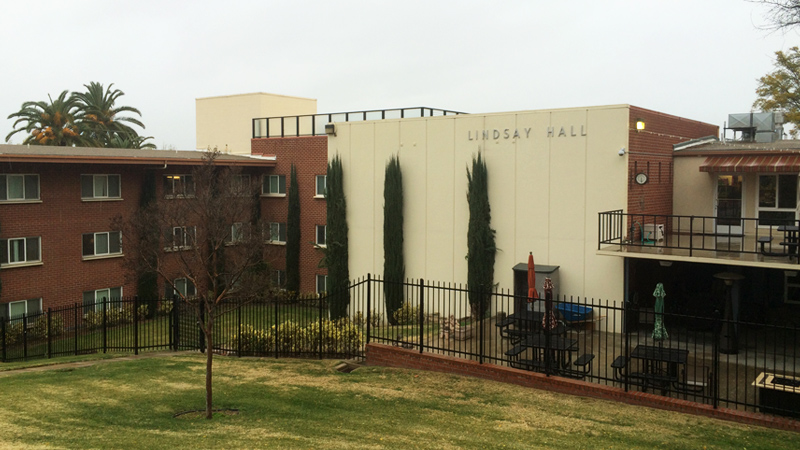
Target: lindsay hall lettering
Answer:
[[508, 133]]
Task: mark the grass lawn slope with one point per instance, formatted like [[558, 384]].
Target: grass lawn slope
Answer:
[[289, 403]]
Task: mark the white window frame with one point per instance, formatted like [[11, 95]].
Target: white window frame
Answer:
[[273, 226], [324, 242], [237, 233], [278, 279], [189, 288], [322, 279], [98, 295], [14, 319], [775, 208], [95, 178], [240, 184], [267, 189], [182, 233], [317, 193], [26, 196], [6, 258], [95, 253], [178, 182]]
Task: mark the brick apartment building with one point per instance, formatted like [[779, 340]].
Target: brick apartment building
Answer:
[[57, 245]]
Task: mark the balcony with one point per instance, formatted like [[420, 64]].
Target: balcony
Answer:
[[314, 124], [746, 242]]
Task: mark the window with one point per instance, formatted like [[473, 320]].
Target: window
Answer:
[[277, 232], [237, 233], [240, 185], [182, 287], [182, 238], [15, 310], [102, 244], [322, 180], [322, 234], [322, 284], [19, 187], [20, 250], [274, 185], [93, 300], [278, 278], [100, 186], [777, 199], [178, 186]]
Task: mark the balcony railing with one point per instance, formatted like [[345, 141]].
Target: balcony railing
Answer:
[[687, 235], [314, 124]]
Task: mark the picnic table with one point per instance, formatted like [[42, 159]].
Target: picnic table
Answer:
[[552, 353], [661, 367]]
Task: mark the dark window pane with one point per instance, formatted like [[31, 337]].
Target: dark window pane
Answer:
[[3, 192], [32, 249], [34, 306], [787, 191], [115, 242], [775, 218], [88, 244], [113, 186], [32, 187], [766, 191], [87, 186], [4, 251], [282, 181]]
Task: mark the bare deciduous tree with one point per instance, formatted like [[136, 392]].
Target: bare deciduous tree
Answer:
[[205, 232]]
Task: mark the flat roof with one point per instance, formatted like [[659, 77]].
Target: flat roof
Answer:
[[98, 155], [717, 147]]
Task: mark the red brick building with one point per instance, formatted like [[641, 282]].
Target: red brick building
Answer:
[[57, 243]]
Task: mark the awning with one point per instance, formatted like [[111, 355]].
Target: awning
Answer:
[[752, 163]]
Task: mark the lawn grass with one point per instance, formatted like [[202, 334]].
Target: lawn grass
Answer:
[[288, 403]]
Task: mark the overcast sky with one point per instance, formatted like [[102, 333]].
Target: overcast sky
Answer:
[[694, 58]]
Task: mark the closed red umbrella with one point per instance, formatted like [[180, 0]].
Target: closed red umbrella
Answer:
[[532, 294]]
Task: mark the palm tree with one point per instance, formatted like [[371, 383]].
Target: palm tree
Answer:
[[52, 123], [101, 116], [125, 141]]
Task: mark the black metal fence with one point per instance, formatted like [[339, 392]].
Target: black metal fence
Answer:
[[314, 124], [735, 364], [279, 327]]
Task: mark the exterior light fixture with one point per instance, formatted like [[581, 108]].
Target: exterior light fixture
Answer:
[[639, 125], [621, 151], [330, 129]]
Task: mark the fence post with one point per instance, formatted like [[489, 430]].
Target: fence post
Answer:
[[369, 304], [239, 328], [275, 318], [75, 328], [3, 330], [176, 323], [320, 325], [421, 314], [715, 360], [49, 333], [135, 324], [105, 327], [200, 321], [24, 337], [626, 312]]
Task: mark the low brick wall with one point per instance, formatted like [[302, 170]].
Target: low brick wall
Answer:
[[389, 356]]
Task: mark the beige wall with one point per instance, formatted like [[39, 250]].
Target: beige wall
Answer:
[[545, 192], [227, 120], [694, 192]]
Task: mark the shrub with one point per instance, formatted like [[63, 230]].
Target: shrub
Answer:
[[407, 315], [114, 316], [143, 312], [164, 307], [328, 336], [39, 329]]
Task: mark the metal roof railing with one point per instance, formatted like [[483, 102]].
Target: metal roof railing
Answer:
[[314, 124]]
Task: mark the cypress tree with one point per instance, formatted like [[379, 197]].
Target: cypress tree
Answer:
[[293, 235], [481, 247], [336, 253], [394, 270]]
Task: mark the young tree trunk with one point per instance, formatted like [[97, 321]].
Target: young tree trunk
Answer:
[[209, 361]]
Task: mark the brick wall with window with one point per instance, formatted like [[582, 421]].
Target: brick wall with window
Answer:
[[309, 154], [650, 152], [79, 251]]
